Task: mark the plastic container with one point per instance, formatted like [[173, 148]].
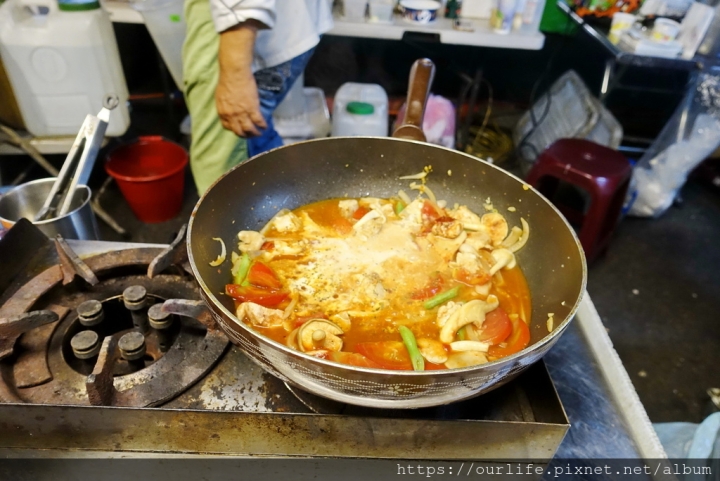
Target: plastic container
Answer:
[[354, 10], [151, 177], [665, 30], [532, 14], [9, 110], [165, 21], [477, 8], [360, 109], [293, 104], [504, 15], [621, 23], [311, 123], [381, 11], [61, 65]]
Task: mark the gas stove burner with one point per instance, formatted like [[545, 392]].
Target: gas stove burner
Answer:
[[93, 332], [139, 344]]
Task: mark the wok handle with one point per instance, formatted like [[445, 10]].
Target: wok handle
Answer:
[[421, 78]]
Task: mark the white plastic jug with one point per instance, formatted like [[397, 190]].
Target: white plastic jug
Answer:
[[61, 65], [360, 109]]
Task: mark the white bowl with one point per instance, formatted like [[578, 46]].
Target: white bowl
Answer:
[[420, 11]]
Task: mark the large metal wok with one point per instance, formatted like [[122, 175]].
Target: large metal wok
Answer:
[[288, 177]]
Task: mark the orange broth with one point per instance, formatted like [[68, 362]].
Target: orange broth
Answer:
[[509, 285]]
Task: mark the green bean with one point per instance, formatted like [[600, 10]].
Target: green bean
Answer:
[[418, 363], [461, 333], [399, 207], [441, 298], [240, 269]]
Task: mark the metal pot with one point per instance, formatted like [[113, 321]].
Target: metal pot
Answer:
[[288, 177], [27, 199]]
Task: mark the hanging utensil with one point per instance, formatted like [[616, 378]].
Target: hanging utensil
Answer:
[[79, 162]]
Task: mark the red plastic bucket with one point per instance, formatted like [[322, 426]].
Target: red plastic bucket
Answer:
[[151, 177]]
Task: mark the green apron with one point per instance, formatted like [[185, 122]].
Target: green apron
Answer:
[[213, 150]]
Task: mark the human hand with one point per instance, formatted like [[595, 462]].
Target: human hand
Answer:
[[238, 105], [236, 95]]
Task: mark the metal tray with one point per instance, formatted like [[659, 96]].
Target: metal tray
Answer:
[[521, 420]]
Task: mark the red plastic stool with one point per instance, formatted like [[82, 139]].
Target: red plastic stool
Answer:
[[603, 173]]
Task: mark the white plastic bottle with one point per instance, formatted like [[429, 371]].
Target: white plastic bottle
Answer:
[[360, 109], [62, 61], [505, 16], [532, 15]]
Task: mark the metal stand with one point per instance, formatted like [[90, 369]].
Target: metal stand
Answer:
[[9, 136], [619, 62]]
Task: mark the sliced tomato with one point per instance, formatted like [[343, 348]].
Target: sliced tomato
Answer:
[[429, 366], [430, 212], [360, 213], [518, 340], [434, 287], [353, 359], [497, 327], [478, 279], [388, 354], [258, 295], [261, 275]]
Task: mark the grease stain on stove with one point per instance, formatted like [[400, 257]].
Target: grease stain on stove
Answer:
[[230, 394], [229, 388]]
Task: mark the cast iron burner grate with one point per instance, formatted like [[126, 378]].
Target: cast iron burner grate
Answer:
[[103, 339]]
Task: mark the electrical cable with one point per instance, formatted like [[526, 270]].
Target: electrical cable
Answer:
[[523, 143], [489, 143]]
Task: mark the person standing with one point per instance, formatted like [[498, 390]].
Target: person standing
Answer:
[[240, 59]]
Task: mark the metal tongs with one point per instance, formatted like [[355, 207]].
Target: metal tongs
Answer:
[[79, 162]]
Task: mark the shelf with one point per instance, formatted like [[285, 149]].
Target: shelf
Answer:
[[442, 29], [45, 145], [625, 57]]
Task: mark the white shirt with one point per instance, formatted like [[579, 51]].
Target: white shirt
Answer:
[[295, 26]]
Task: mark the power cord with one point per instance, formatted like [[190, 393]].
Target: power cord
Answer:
[[489, 142], [523, 143]]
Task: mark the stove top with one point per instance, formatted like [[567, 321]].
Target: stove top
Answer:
[[79, 336]]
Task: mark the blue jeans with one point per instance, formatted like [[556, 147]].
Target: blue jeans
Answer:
[[273, 84]]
